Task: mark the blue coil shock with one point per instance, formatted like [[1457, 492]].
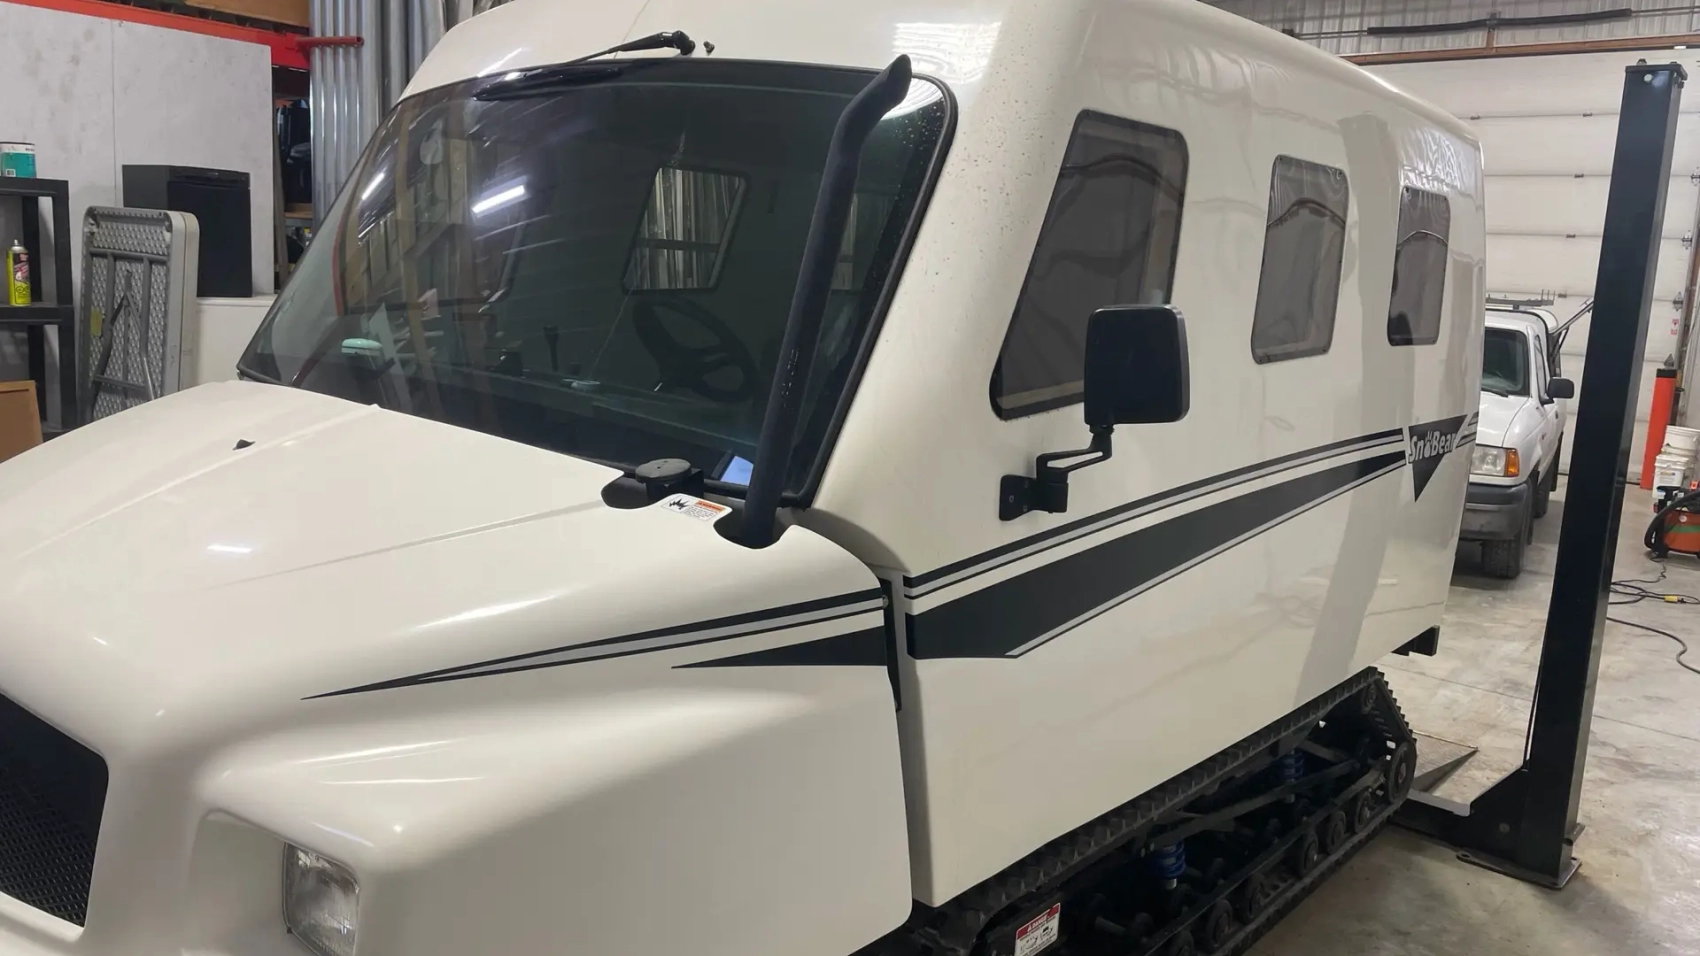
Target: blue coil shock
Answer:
[[1290, 766], [1168, 863]]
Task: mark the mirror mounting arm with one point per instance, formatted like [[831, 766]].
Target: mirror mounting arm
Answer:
[[1048, 489]]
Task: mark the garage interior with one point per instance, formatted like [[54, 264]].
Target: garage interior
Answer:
[[1546, 114], [281, 96]]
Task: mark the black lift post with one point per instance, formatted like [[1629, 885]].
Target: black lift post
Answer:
[[1525, 825]]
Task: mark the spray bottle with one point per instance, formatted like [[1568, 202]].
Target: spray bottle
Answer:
[[18, 274]]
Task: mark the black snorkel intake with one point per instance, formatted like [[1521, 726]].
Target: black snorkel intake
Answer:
[[757, 529]]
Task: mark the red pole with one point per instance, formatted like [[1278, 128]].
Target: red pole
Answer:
[[1658, 418]]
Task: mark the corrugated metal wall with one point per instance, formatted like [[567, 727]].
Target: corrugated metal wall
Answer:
[[353, 86], [1340, 26]]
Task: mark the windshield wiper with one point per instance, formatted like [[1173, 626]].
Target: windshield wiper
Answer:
[[547, 80], [243, 371], [576, 72], [672, 39]]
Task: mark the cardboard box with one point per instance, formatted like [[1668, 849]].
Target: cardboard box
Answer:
[[20, 422]]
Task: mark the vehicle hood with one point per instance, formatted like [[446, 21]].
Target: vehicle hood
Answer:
[[221, 555], [1498, 425], [236, 482]]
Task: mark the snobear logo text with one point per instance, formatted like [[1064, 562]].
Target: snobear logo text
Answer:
[[1432, 445], [1431, 442]]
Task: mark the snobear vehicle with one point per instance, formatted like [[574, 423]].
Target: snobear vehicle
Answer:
[[650, 524]]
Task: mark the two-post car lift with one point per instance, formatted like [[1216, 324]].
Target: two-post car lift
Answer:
[[1525, 825]]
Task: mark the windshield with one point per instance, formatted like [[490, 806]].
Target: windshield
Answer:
[[1505, 362], [600, 260]]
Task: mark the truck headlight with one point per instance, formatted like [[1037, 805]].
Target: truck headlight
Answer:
[[1495, 462], [321, 901]]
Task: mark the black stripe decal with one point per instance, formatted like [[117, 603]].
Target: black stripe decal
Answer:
[[855, 649], [1015, 616], [1294, 459], [739, 625]]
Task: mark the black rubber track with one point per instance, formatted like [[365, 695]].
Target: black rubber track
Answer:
[[956, 929]]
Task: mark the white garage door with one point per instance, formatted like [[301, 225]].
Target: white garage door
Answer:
[[1548, 127]]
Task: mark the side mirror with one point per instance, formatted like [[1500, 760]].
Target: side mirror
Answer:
[[1561, 388], [1135, 374], [1136, 366]]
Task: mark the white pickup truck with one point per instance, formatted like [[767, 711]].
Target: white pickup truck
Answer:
[[1514, 468]]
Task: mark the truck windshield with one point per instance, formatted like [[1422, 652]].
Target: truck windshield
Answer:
[[1505, 362], [600, 260]]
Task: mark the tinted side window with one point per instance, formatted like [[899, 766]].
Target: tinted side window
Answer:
[[1419, 268], [1109, 238], [1303, 244]]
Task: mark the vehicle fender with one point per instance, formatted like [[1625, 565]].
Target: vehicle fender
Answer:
[[644, 820]]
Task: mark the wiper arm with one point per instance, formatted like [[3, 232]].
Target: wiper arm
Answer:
[[575, 73], [672, 39]]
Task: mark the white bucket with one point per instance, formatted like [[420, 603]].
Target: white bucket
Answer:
[[1682, 441], [1671, 471]]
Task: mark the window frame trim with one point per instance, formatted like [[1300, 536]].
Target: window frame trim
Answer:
[[1077, 396], [1340, 270]]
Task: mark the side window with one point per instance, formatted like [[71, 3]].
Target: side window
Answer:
[[1419, 268], [1303, 244], [1109, 238], [684, 230]]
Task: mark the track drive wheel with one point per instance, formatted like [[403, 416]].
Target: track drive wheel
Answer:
[[1217, 926], [1180, 944], [1334, 832], [1401, 772], [1362, 810], [1254, 894], [1305, 853]]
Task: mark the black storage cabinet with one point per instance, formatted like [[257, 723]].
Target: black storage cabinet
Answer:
[[218, 199]]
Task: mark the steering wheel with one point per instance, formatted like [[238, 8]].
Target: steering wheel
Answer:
[[689, 366]]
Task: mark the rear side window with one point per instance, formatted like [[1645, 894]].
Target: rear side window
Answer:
[[1419, 268], [1303, 244], [1109, 238]]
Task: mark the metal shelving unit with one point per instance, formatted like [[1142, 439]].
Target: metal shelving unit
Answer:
[[58, 310]]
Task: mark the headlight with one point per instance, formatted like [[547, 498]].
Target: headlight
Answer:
[[321, 902], [1495, 462]]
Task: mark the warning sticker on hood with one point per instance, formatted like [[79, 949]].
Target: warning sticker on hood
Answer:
[[693, 507]]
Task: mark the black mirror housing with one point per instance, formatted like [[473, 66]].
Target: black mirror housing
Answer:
[[1136, 366], [1135, 374], [1561, 388]]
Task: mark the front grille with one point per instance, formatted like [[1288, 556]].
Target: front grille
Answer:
[[52, 790]]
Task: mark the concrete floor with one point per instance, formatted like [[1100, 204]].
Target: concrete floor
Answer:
[[1638, 891]]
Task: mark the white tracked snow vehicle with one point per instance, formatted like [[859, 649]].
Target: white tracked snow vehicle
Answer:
[[649, 523]]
